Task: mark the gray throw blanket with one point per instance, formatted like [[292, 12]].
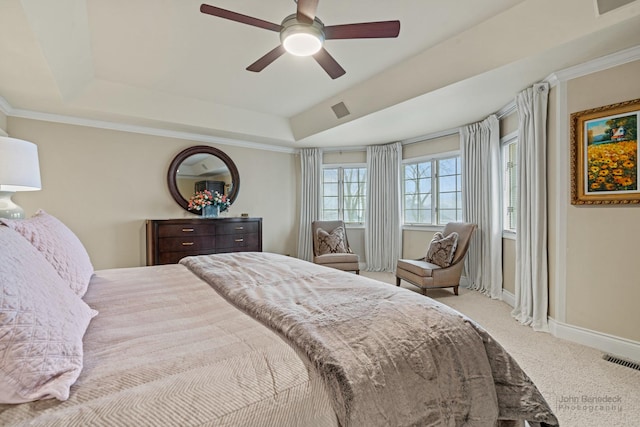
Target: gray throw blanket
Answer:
[[389, 356]]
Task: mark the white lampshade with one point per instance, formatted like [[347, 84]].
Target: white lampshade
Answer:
[[19, 171], [19, 167]]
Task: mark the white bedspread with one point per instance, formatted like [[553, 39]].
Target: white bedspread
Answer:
[[167, 350]]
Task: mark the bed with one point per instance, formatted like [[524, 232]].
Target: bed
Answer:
[[259, 339]]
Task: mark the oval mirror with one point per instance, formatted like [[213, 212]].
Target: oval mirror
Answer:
[[199, 168]]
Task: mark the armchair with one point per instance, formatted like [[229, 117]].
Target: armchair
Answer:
[[340, 256], [426, 275]]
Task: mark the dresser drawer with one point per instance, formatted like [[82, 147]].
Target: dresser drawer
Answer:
[[238, 228], [186, 243], [247, 242], [175, 257], [175, 230]]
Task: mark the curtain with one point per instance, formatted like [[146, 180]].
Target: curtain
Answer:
[[531, 213], [383, 230], [482, 204], [311, 170]]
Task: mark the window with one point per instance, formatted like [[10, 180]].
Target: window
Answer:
[[344, 193], [432, 191], [510, 195]]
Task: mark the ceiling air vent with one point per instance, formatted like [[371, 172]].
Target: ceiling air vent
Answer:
[[605, 6], [340, 110]]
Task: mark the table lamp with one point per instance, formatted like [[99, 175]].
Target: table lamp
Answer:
[[19, 171]]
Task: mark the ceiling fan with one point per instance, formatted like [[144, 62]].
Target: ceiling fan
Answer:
[[303, 34]]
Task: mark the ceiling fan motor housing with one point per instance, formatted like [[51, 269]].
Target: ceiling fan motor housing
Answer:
[[300, 38]]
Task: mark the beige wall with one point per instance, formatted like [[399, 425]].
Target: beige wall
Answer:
[[602, 268], [3, 124], [509, 124], [104, 184], [509, 265]]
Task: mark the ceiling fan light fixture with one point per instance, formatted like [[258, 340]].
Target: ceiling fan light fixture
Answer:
[[301, 39], [302, 44]]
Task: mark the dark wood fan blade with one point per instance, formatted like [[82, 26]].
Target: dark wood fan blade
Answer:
[[364, 30], [244, 19], [307, 10], [267, 59], [329, 64]]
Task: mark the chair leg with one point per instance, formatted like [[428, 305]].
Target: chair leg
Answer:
[[358, 272], [398, 281], [424, 291], [455, 290]]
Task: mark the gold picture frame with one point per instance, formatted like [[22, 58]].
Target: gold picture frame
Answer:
[[604, 155]]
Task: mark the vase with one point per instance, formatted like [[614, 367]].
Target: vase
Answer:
[[210, 211]]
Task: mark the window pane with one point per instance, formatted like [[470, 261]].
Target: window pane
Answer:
[[424, 185], [448, 201], [425, 216], [330, 215], [450, 190], [411, 201], [424, 169], [409, 187], [447, 167], [447, 215], [410, 216], [425, 201], [330, 203], [330, 175], [447, 183], [330, 190], [410, 171]]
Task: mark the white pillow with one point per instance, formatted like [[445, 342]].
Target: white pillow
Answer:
[[60, 247], [42, 323]]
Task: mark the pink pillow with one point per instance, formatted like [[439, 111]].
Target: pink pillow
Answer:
[[60, 247], [42, 323]]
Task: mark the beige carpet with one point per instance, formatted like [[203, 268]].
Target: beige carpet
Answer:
[[583, 389]]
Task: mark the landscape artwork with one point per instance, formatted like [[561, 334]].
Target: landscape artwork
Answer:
[[612, 147], [605, 155]]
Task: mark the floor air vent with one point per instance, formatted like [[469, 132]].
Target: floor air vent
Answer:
[[623, 362]]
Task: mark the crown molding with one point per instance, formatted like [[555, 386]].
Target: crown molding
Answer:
[[599, 64], [145, 130]]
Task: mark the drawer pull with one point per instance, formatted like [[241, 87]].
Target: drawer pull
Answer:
[[187, 243], [239, 228], [187, 230], [239, 240]]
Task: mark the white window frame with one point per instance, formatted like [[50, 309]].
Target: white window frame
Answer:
[[341, 168], [435, 190], [505, 142]]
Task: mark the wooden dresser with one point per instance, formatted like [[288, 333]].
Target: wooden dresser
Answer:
[[169, 240]]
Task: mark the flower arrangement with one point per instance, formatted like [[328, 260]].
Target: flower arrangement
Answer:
[[206, 198]]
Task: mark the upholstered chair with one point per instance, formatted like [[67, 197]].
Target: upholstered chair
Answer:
[[331, 246], [426, 275]]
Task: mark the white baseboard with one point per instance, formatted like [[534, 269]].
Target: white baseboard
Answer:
[[508, 297], [611, 344]]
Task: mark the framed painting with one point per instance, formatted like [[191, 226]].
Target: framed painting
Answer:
[[604, 155]]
